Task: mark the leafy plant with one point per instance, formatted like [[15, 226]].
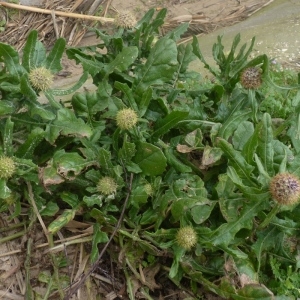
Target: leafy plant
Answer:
[[171, 170]]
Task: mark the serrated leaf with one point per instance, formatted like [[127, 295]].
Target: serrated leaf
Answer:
[[253, 292], [127, 152], [150, 159]]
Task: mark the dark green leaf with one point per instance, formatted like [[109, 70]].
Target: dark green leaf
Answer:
[[53, 61], [160, 66], [98, 237], [171, 120], [150, 159]]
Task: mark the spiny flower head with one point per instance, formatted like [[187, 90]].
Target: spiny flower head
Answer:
[[126, 118], [186, 237], [251, 78], [125, 19], [285, 188], [107, 185], [41, 78], [7, 167]]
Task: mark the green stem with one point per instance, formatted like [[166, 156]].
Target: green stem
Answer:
[[55, 267], [11, 227], [269, 217], [12, 237]]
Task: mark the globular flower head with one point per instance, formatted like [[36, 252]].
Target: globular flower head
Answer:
[[7, 167], [251, 78], [125, 19], [285, 188], [186, 237], [41, 78], [126, 118], [107, 185]]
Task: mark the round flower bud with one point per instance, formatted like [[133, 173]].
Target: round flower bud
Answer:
[[186, 237], [148, 189], [125, 19], [285, 188], [7, 167], [126, 118], [107, 185], [251, 78], [41, 78]]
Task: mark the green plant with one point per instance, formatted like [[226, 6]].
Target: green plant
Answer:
[[171, 170]]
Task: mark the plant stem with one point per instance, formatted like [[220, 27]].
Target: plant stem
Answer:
[[269, 217], [12, 237]]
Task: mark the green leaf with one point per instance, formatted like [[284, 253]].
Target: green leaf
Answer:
[[242, 135], [69, 164], [264, 242], [243, 169], [88, 104], [26, 89], [176, 33], [265, 143], [185, 57], [53, 61], [150, 159], [159, 67], [230, 201], [70, 198], [145, 101], [5, 192], [72, 89], [127, 152], [6, 107], [8, 137], [232, 123], [123, 87], [105, 159], [175, 161], [98, 237], [210, 157], [253, 292], [123, 60], [61, 221], [67, 124], [33, 140], [10, 57], [50, 209], [171, 120], [138, 196], [34, 52]]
